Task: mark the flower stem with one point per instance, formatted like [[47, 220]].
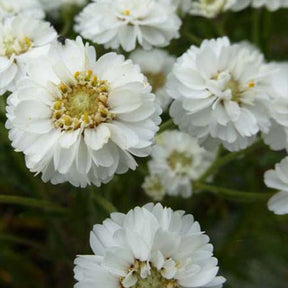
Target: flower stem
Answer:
[[166, 125], [31, 202], [222, 161], [104, 203], [256, 26], [234, 194]]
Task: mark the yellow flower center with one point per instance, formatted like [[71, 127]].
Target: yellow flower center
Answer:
[[179, 160], [156, 80], [82, 105], [153, 279], [12, 45]]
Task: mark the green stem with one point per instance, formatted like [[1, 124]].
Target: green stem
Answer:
[[222, 161], [31, 202], [234, 194], [256, 26], [169, 124], [20, 241], [193, 38], [104, 203]]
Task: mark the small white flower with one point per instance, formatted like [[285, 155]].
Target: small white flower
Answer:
[[220, 94], [52, 5], [29, 8], [278, 179], [156, 65], [271, 5], [177, 160], [21, 39], [150, 247], [277, 136], [79, 120], [125, 23], [210, 8], [182, 6]]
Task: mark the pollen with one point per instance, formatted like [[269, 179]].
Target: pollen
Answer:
[[127, 12], [28, 41], [83, 104], [252, 84], [63, 87]]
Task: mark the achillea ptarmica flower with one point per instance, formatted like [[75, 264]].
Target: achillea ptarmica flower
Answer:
[[21, 39], [177, 160], [277, 136], [220, 94], [149, 247], [53, 6], [125, 23], [81, 120], [210, 8], [155, 65], [278, 179], [271, 5], [29, 8]]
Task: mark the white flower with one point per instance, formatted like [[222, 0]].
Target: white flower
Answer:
[[53, 5], [150, 247], [271, 5], [79, 120], [29, 8], [21, 39], [210, 8], [278, 179], [182, 6], [177, 160], [125, 23], [156, 65], [220, 94], [277, 136]]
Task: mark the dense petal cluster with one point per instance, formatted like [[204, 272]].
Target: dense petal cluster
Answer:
[[277, 136], [278, 179], [271, 5], [81, 120], [21, 39], [210, 8], [148, 247], [177, 160], [220, 93], [156, 65], [29, 8], [53, 6], [125, 23]]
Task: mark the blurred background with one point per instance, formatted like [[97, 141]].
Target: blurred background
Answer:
[[43, 227]]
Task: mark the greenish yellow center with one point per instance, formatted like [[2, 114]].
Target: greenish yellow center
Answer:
[[16, 46], [83, 104], [154, 279], [156, 80], [178, 160]]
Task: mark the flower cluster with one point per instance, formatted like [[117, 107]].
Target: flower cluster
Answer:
[[150, 246], [177, 160]]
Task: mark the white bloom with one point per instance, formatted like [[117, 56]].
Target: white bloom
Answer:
[[277, 137], [278, 179], [210, 8], [79, 120], [155, 65], [220, 94], [29, 8], [21, 39], [271, 5], [53, 5], [182, 6], [177, 160], [123, 23], [150, 247]]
